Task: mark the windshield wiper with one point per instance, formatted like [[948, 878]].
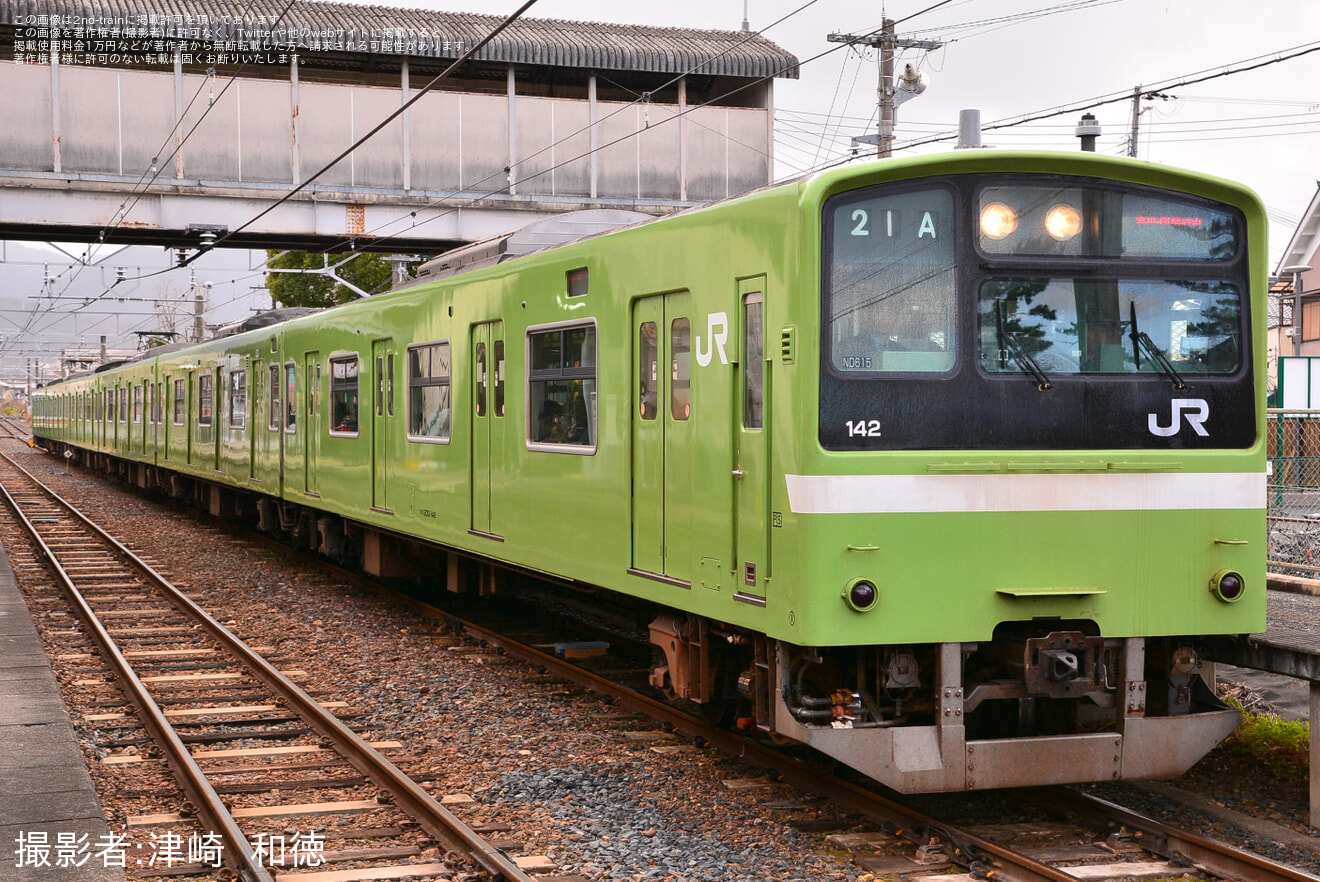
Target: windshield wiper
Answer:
[[1010, 346], [1141, 340]]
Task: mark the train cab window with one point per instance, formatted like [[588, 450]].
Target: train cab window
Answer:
[[891, 304], [562, 388], [680, 369], [123, 404], [753, 363], [291, 398], [648, 371], [428, 392], [344, 396], [1114, 326], [273, 417], [180, 407], [205, 400], [238, 399]]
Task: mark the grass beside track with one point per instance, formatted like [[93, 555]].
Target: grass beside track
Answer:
[[1281, 745]]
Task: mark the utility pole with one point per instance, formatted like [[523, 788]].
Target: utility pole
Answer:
[[886, 41], [1136, 121]]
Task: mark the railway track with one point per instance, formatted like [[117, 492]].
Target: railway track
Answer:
[[11, 427], [914, 841], [1106, 842], [1124, 845], [213, 707]]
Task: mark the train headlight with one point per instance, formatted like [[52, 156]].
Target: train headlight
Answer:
[[1063, 222], [998, 220], [861, 595], [1228, 586]]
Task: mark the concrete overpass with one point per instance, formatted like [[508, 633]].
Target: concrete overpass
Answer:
[[135, 108]]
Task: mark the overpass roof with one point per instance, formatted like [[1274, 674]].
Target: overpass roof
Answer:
[[389, 31]]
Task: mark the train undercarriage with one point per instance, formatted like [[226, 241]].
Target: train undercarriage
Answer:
[[1046, 702]]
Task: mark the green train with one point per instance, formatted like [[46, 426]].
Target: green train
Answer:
[[944, 466]]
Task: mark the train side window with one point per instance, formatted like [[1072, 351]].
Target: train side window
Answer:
[[291, 398], [180, 405], [273, 419], [205, 401], [344, 396], [123, 404], [562, 388], [481, 380], [100, 407], [753, 363], [428, 392], [648, 375], [238, 399], [380, 385], [160, 402], [680, 369], [389, 384], [137, 403], [498, 346]]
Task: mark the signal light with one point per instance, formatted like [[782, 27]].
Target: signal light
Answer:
[[998, 220], [1228, 586], [861, 595], [1063, 222]]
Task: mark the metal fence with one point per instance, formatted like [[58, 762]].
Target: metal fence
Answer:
[[1294, 492]]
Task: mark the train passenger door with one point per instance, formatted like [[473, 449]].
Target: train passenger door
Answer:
[[312, 413], [487, 372], [189, 419], [167, 416], [144, 418], [662, 433], [751, 470], [382, 417], [219, 411], [256, 435]]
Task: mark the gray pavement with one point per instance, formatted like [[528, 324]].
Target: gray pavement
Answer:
[[45, 789]]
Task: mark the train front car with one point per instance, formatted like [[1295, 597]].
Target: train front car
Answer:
[[1037, 478]]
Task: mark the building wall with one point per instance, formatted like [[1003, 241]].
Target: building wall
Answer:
[[113, 122]]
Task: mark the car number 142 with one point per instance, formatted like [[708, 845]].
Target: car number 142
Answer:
[[863, 428]]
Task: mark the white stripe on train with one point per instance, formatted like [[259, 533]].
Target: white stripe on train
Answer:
[[895, 494]]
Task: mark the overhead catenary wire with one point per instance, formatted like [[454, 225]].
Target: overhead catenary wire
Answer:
[[1124, 97], [376, 240]]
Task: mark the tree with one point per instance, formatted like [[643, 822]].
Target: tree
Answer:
[[316, 288]]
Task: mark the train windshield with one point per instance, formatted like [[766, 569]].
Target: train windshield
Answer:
[[1028, 311], [1086, 326]]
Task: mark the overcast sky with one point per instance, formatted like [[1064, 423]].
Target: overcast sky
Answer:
[[1260, 127], [1005, 57]]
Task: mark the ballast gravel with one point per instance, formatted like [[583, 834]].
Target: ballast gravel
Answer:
[[551, 762]]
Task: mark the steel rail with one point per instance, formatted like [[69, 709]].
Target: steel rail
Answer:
[[974, 852], [434, 818], [212, 814], [977, 853], [1176, 845]]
